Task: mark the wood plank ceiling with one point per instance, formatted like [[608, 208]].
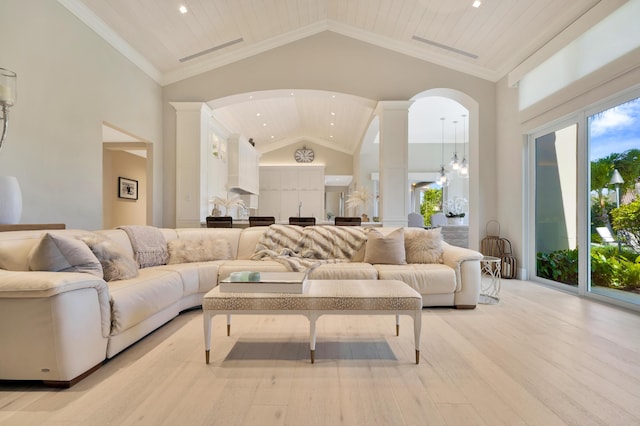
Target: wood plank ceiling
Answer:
[[487, 42]]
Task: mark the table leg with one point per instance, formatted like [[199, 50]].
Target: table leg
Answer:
[[312, 335], [417, 328], [397, 324], [206, 318]]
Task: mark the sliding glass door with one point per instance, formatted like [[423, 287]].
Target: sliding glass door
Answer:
[[556, 206], [585, 203], [614, 160]]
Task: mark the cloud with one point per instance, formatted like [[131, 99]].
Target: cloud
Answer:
[[616, 118]]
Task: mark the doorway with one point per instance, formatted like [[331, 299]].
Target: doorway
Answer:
[[129, 159]]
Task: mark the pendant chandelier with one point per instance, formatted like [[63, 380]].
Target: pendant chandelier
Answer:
[[442, 179], [455, 164], [464, 167]]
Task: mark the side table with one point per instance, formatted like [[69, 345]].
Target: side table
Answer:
[[490, 281]]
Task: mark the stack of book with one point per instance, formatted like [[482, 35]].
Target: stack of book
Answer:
[[265, 282]]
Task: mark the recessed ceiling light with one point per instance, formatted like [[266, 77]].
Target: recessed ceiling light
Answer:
[[183, 9], [331, 136], [476, 4], [264, 124], [331, 124], [272, 137], [257, 114], [333, 113]]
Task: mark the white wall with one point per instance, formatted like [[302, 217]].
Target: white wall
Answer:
[[335, 162], [70, 81], [513, 127], [332, 62]]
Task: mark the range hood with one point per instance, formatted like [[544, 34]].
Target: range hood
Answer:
[[242, 176], [337, 180]]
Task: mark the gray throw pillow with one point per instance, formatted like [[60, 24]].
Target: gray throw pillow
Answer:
[[385, 249], [116, 263], [56, 253]]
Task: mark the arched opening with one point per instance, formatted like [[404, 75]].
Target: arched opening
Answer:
[[461, 194]]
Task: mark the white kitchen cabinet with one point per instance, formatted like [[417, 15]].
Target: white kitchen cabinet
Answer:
[[287, 191]]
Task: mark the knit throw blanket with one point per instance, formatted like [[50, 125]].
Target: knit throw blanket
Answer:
[[299, 248], [148, 243]]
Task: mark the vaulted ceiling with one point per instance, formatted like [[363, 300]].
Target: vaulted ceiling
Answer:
[[486, 42]]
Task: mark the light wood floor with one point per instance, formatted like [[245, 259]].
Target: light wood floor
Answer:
[[540, 357]]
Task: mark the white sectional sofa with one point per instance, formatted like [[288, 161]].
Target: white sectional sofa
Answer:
[[58, 326]]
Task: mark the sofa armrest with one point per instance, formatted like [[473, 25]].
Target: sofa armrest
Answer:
[[36, 284], [466, 263], [453, 256]]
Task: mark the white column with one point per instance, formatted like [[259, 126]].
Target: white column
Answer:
[[191, 141], [394, 159]]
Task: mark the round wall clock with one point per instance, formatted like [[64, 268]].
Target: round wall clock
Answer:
[[304, 155]]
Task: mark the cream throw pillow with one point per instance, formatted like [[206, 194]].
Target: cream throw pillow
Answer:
[[423, 245], [186, 251], [116, 263], [56, 253], [387, 249]]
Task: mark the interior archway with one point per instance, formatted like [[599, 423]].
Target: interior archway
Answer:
[[473, 108]]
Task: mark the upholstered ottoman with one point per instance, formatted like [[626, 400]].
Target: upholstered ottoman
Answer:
[[323, 297]]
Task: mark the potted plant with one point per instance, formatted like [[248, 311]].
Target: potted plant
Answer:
[[455, 217], [228, 203], [359, 199]]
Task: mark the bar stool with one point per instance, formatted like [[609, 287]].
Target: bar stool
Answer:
[[219, 222], [348, 221], [302, 221], [261, 220]]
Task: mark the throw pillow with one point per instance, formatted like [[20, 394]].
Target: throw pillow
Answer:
[[387, 249], [185, 251], [56, 253], [423, 245], [116, 263]]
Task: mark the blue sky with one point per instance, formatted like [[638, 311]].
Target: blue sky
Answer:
[[615, 130]]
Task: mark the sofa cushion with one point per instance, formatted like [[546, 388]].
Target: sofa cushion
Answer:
[[187, 251], [344, 271], [423, 245], [197, 277], [116, 264], [385, 249], [426, 278], [136, 300], [57, 253]]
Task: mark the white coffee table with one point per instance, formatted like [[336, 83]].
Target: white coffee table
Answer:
[[323, 297]]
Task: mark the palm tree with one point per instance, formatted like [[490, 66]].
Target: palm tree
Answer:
[[601, 170]]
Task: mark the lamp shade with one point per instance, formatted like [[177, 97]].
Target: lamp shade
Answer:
[[8, 92], [616, 179], [10, 200]]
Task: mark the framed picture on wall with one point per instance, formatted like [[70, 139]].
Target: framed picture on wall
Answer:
[[127, 188]]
